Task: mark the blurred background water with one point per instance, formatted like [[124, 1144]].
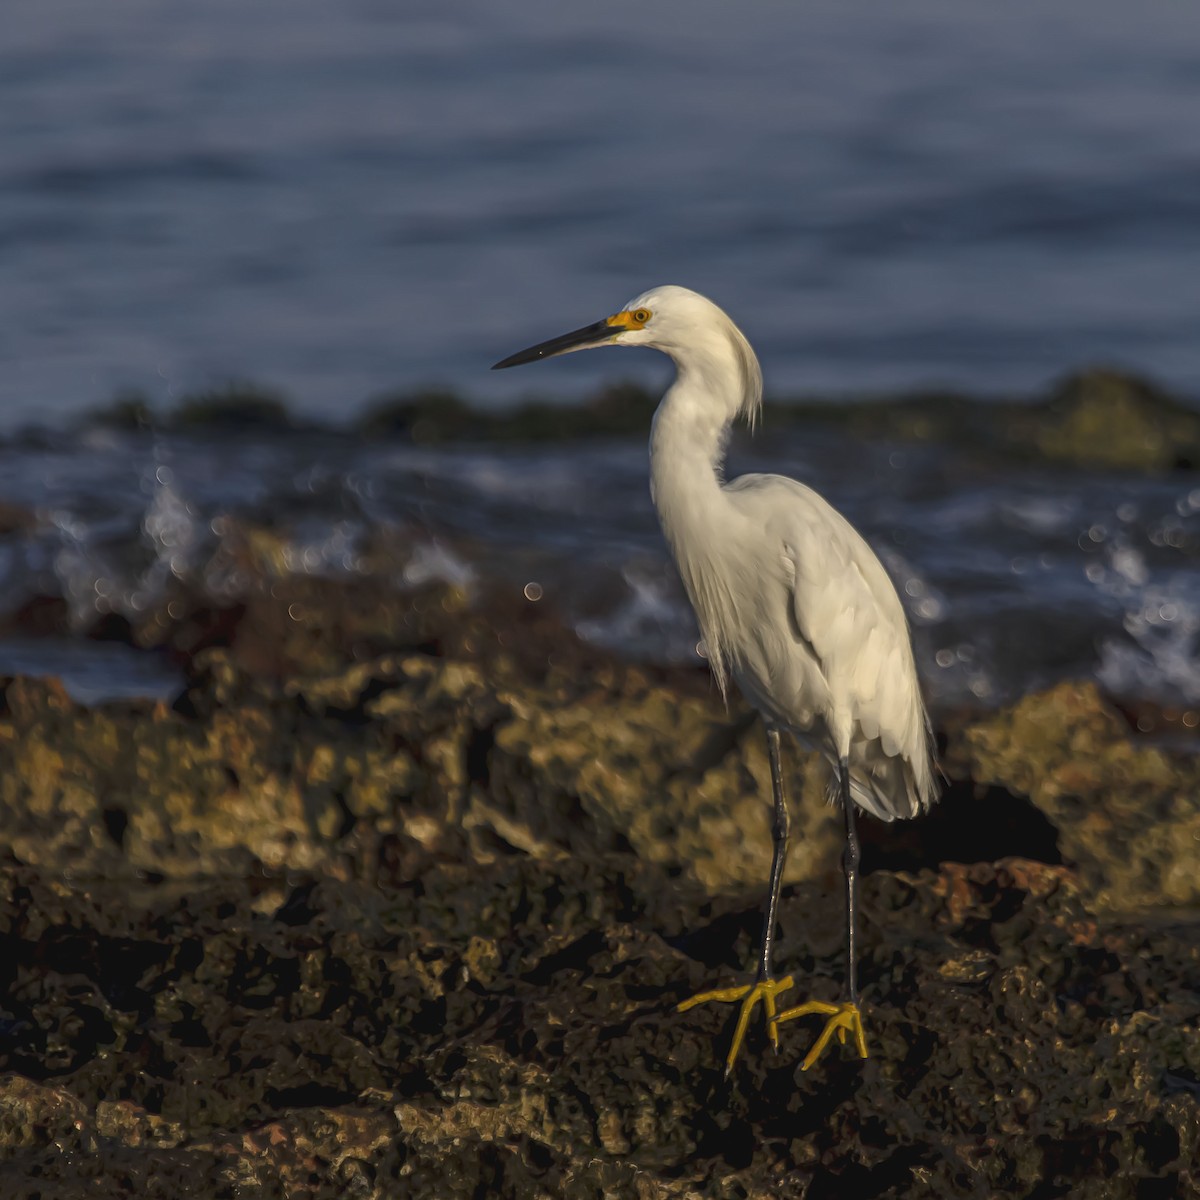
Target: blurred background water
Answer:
[[340, 200], [343, 201]]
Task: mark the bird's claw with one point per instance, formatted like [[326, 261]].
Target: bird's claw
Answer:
[[765, 990], [844, 1019]]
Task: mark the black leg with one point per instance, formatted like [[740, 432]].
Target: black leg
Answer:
[[766, 988], [779, 834], [844, 1020], [850, 863]]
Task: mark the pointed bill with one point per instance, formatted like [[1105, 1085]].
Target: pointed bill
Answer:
[[597, 334], [602, 333]]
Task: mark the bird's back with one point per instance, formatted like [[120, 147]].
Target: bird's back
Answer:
[[820, 644]]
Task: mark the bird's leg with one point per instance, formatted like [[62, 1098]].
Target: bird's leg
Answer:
[[765, 988], [779, 837], [850, 857], [845, 1018]]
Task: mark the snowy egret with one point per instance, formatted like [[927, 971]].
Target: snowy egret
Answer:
[[792, 603]]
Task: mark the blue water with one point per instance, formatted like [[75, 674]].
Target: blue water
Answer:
[[347, 199]]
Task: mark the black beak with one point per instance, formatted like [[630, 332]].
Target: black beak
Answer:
[[578, 339]]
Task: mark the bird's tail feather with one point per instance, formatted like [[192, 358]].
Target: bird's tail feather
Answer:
[[887, 788]]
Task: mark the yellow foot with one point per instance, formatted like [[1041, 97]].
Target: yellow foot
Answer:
[[844, 1019], [749, 994]]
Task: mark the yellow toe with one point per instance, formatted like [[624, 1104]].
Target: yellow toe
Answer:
[[750, 994], [844, 1020]]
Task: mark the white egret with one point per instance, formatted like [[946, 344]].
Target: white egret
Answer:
[[792, 603]]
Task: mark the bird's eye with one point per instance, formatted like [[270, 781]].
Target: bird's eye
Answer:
[[641, 316]]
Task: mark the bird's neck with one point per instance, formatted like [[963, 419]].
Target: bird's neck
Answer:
[[687, 453], [691, 427]]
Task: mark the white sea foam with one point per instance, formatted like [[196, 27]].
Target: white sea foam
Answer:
[[433, 561], [1043, 515], [1162, 618], [653, 619]]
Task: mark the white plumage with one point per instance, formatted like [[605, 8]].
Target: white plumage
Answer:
[[791, 600]]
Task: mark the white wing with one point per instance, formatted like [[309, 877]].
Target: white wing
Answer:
[[847, 614]]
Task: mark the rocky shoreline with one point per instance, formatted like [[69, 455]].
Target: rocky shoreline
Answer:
[[1097, 417], [398, 897]]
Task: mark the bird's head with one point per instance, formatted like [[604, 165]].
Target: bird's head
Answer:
[[682, 323], [664, 318]]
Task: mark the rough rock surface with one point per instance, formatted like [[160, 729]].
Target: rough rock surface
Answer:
[[415, 926], [1127, 814]]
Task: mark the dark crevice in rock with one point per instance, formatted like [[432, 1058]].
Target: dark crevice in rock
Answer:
[[891, 1177], [716, 944], [116, 822], [296, 909], [355, 716], [970, 823], [349, 819], [574, 957], [477, 755], [307, 1095], [1180, 1079]]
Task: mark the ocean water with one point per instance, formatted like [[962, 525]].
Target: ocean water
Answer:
[[1013, 577], [345, 200]]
